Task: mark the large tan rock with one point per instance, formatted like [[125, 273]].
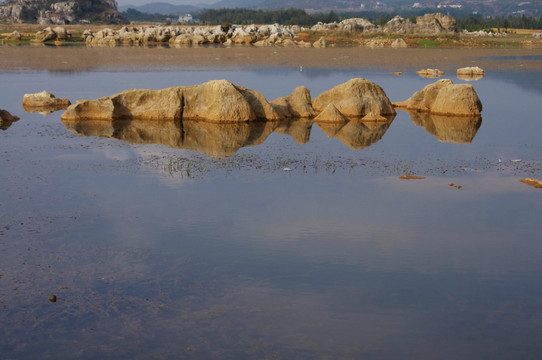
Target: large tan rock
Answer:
[[43, 101], [356, 98], [297, 104], [6, 119], [220, 100], [445, 98], [217, 100], [331, 114]]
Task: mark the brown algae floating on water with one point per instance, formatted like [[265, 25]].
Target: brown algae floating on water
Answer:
[[532, 182], [411, 177]]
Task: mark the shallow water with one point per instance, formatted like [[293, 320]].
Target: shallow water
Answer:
[[156, 251]]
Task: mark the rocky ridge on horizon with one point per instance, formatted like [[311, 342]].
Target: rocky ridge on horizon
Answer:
[[61, 12]]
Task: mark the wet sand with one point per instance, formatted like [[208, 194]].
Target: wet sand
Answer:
[[15, 58]]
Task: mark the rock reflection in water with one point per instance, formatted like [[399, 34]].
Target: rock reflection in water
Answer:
[[454, 129], [220, 140], [215, 140], [298, 129], [6, 119], [357, 134]]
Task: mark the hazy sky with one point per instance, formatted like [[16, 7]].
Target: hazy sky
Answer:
[[199, 3]]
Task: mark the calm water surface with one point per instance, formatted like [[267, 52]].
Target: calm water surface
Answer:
[[160, 251]]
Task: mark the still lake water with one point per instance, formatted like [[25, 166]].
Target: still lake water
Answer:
[[160, 252]]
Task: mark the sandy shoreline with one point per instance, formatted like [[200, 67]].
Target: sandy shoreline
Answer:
[[16, 58]]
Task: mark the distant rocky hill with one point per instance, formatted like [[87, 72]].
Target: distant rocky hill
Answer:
[[161, 8], [61, 12]]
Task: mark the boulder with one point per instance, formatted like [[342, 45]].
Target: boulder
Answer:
[[6, 119], [217, 100], [399, 25], [297, 104], [44, 101], [430, 73], [445, 98], [14, 36], [356, 98], [331, 114], [435, 24], [399, 43], [471, 71], [46, 34], [320, 43]]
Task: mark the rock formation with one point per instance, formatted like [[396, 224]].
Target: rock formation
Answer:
[[357, 98], [430, 73], [43, 101], [6, 119], [444, 98], [60, 12], [298, 104], [470, 73], [427, 24], [331, 114], [217, 100]]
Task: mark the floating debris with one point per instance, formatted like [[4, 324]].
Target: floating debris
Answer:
[[532, 182], [411, 177]]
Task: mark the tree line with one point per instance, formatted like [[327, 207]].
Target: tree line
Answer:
[[301, 17]]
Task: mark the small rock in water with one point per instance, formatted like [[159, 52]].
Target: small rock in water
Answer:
[[52, 298]]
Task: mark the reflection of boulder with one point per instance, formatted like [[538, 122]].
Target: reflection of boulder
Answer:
[[214, 139], [470, 77], [358, 134], [298, 129], [356, 98], [455, 129], [329, 128], [43, 102], [217, 100], [223, 140], [444, 98], [6, 119]]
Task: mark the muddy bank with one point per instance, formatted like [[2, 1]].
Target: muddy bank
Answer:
[[247, 57]]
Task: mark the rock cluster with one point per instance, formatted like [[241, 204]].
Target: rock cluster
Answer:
[[6, 119], [257, 35], [427, 24], [222, 101], [444, 98]]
